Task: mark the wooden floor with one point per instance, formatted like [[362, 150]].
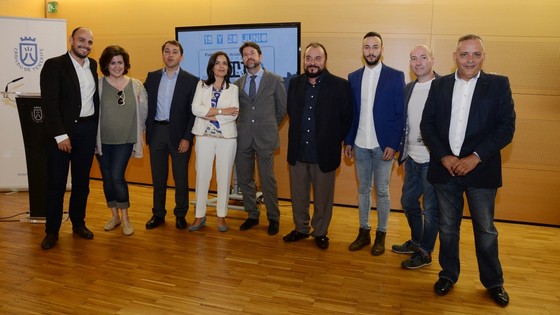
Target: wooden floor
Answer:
[[167, 271]]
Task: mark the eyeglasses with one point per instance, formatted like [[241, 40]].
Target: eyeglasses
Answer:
[[122, 98]]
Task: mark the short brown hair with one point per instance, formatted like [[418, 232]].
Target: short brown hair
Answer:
[[250, 44], [107, 55]]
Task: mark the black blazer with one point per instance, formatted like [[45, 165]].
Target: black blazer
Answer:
[[61, 96], [181, 118], [333, 114], [490, 128]]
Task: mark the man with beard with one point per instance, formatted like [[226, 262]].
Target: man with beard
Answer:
[[320, 117], [377, 100], [262, 107], [71, 103], [168, 132]]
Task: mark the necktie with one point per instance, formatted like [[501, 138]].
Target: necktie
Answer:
[[252, 88]]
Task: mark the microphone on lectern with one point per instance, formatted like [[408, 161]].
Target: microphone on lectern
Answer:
[[14, 80]]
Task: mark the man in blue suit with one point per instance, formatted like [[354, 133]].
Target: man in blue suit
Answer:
[[468, 118], [168, 132], [373, 140]]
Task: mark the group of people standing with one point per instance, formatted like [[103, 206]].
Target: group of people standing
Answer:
[[449, 131]]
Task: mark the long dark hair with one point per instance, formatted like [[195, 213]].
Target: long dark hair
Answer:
[[211, 62]]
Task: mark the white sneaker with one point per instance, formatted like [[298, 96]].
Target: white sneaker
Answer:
[[127, 228], [111, 224]]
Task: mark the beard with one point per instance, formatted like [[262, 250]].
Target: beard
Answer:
[[314, 74], [79, 54], [372, 63], [252, 64]]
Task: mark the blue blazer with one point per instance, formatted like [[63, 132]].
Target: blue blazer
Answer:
[[387, 106], [490, 128]]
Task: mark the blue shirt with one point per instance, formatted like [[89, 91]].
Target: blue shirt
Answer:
[[165, 95]]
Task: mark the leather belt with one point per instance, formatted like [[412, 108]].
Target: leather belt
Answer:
[[85, 119]]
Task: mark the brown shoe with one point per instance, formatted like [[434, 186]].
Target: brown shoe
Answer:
[[362, 240], [379, 244]]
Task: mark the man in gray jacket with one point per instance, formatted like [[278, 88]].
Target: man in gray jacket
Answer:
[[262, 107]]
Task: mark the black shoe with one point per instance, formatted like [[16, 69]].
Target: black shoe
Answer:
[[443, 286], [49, 241], [180, 223], [379, 243], [322, 242], [363, 239], [294, 236], [499, 295], [273, 227], [154, 222], [249, 223], [83, 232]]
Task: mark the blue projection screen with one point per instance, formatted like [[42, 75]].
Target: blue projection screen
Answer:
[[279, 42]]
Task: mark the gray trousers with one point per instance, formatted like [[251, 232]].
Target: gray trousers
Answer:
[[302, 177], [245, 165]]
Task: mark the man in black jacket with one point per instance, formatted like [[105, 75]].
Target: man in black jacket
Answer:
[[423, 218], [71, 104], [320, 112], [168, 132], [468, 118]]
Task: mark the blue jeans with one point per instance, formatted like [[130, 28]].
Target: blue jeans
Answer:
[[423, 232], [481, 205], [370, 167], [113, 164]]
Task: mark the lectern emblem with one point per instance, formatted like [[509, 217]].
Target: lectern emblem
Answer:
[[37, 114]]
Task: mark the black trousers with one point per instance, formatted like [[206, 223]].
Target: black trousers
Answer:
[[79, 162], [160, 150]]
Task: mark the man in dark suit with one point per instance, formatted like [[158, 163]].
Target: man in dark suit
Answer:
[[168, 132], [71, 104], [320, 116], [377, 93], [262, 107], [468, 118]]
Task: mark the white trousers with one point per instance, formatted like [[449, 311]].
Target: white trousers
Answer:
[[224, 151]]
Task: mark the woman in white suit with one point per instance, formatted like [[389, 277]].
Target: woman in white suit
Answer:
[[216, 106]]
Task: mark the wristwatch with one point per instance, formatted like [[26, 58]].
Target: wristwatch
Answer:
[[219, 111]]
